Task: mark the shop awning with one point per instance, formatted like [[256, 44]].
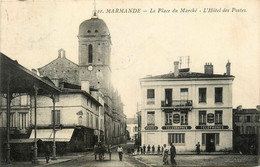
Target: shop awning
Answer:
[[22, 141], [63, 135]]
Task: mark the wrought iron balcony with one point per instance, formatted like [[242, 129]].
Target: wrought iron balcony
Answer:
[[178, 104]]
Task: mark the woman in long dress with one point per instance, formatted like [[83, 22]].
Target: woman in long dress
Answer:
[[165, 155]]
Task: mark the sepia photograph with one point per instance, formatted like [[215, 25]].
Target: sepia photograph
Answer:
[[129, 83]]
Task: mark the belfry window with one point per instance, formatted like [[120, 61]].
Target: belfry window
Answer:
[[90, 54]]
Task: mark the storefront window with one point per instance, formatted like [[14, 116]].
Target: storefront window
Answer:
[[176, 138]]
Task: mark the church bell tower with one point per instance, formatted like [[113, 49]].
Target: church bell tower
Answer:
[[94, 53]]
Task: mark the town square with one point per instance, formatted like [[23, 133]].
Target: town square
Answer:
[[129, 83]]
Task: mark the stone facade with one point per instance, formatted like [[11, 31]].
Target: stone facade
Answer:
[[185, 108], [246, 130], [62, 69]]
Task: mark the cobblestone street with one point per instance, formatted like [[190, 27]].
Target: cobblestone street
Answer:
[[203, 160]]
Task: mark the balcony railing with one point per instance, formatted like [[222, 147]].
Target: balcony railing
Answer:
[[177, 104]]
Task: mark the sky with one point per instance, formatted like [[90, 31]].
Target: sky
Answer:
[[145, 43]]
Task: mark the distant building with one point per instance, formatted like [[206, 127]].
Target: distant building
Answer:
[[20, 115], [246, 130], [132, 128], [185, 108], [77, 119]]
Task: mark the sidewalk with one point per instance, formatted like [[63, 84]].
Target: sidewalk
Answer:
[[190, 153], [42, 161], [201, 160]]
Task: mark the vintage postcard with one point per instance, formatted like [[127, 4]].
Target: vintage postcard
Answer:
[[130, 82]]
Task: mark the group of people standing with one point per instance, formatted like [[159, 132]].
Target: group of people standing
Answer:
[[149, 149]]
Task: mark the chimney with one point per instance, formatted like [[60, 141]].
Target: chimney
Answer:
[[239, 108], [208, 68], [228, 68], [61, 53], [85, 86], [34, 71], [176, 68]]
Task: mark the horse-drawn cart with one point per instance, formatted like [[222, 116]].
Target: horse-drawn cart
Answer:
[[100, 150]]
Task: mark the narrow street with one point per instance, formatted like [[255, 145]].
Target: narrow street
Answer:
[[89, 160]]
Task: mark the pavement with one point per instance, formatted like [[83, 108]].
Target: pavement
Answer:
[[148, 159], [202, 160], [42, 161]]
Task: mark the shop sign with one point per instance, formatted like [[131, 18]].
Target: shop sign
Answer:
[[151, 128], [212, 127], [210, 118], [175, 127], [176, 118]]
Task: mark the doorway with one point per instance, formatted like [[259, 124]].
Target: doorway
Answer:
[[210, 142]]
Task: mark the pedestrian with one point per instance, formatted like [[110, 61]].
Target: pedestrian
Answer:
[[173, 153], [153, 148], [162, 149], [47, 153], [141, 149], [95, 151], [109, 151], [31, 153], [198, 148], [148, 148], [138, 150], [144, 147], [165, 155], [120, 152], [158, 149]]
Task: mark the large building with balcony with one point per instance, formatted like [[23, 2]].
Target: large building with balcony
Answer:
[[185, 108]]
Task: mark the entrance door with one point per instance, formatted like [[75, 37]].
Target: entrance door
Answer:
[[210, 142]]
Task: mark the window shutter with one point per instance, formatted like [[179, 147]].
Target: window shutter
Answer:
[[203, 138], [58, 117], [217, 138]]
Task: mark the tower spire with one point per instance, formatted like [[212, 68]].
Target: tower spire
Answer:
[[95, 11]]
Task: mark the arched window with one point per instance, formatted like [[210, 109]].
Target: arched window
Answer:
[[90, 54]]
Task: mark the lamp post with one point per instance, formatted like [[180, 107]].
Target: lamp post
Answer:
[[35, 160], [54, 131]]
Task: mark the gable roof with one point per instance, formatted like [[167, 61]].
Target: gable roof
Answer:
[[57, 60]]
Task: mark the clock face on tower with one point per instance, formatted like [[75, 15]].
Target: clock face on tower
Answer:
[[90, 67]]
